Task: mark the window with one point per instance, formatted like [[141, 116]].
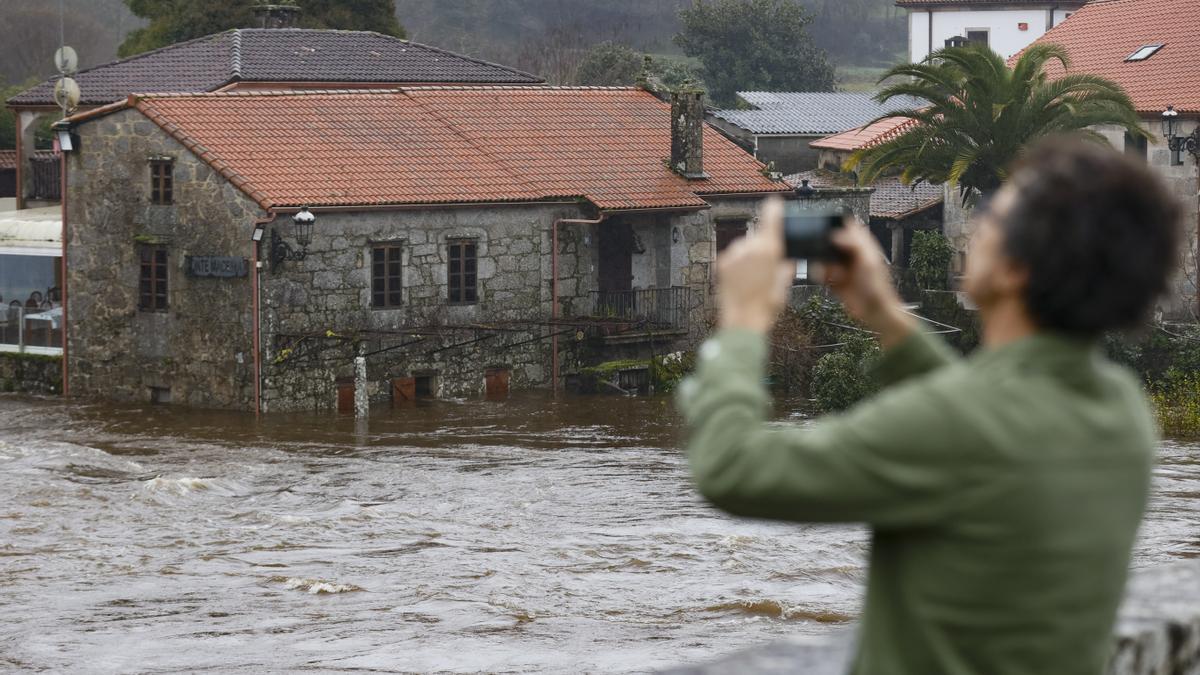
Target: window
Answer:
[[729, 231], [385, 276], [1144, 52], [152, 285], [1136, 146], [462, 276], [162, 181], [977, 37]]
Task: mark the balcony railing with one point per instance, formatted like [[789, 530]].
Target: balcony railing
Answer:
[[660, 308], [47, 177], [35, 331]]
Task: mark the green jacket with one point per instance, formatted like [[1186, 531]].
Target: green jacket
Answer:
[[1004, 492]]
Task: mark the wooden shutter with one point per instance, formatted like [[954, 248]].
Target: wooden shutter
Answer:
[[345, 396], [496, 383], [404, 391]]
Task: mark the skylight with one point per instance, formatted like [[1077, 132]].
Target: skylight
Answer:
[[1144, 52]]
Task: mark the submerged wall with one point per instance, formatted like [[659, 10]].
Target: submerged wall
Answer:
[[30, 373]]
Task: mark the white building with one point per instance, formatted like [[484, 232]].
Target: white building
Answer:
[[1007, 26]]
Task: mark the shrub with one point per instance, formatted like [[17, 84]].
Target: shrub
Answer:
[[842, 378], [930, 259], [1176, 400]]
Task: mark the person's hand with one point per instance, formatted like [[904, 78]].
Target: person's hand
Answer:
[[862, 280], [753, 277]]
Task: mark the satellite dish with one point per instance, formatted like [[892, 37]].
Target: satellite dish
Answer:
[[66, 94], [66, 60]]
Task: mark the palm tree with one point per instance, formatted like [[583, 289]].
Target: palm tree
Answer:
[[981, 113]]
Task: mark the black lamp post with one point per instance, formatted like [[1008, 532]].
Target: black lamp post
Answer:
[[1177, 143], [805, 191], [302, 223]]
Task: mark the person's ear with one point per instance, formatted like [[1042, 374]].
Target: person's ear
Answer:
[[1010, 278]]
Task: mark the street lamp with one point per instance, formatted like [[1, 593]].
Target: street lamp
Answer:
[[805, 191], [302, 223], [1177, 143]]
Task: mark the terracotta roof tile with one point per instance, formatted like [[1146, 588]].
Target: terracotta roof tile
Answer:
[[277, 55], [8, 159], [449, 144], [865, 136], [1100, 36]]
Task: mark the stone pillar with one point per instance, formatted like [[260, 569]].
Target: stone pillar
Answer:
[[898, 258], [687, 132], [27, 122], [362, 403]]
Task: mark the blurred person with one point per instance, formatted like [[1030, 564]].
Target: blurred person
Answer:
[[1003, 491]]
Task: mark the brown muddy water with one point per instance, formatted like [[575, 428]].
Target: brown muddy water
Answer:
[[462, 536]]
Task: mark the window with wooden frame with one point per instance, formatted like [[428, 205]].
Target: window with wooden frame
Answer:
[[463, 263], [386, 276], [152, 279], [162, 181]]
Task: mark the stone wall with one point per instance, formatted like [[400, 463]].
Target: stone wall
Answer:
[[30, 373], [201, 349], [1157, 633]]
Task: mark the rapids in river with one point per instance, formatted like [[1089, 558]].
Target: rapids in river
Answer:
[[538, 534]]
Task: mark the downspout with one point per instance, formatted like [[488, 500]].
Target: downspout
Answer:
[[62, 195], [256, 247], [20, 162], [554, 287]]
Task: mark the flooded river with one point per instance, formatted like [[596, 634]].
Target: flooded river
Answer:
[[534, 535]]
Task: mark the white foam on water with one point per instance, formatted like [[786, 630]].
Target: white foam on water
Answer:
[[177, 486], [316, 586]]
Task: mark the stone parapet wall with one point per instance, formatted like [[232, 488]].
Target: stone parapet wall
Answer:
[[30, 373], [1157, 633]]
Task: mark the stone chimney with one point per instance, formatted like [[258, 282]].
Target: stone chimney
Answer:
[[276, 16], [687, 132]]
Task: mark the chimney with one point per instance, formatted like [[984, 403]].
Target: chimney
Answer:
[[687, 132], [276, 16]]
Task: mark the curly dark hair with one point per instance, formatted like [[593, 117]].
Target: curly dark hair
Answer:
[[1098, 231]]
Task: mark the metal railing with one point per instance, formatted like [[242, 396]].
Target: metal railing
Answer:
[[47, 177], [662, 308], [26, 329]]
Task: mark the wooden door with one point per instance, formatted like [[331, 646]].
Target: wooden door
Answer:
[[496, 383], [404, 391], [616, 256], [345, 396]]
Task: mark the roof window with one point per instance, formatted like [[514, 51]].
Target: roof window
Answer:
[[1144, 52]]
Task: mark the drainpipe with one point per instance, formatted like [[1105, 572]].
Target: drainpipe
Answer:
[[930, 13], [62, 195], [554, 286], [256, 247]]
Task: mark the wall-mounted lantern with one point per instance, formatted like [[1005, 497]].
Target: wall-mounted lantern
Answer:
[[302, 223], [1175, 142]]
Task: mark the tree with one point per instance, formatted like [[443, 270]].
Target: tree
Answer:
[[172, 21], [754, 44], [981, 114], [609, 64]]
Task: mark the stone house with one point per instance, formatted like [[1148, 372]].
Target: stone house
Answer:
[[1007, 26], [1151, 48], [276, 58], [778, 127], [466, 239]]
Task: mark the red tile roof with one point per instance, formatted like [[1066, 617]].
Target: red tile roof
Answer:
[[866, 136], [448, 145], [8, 159], [1100, 36]]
